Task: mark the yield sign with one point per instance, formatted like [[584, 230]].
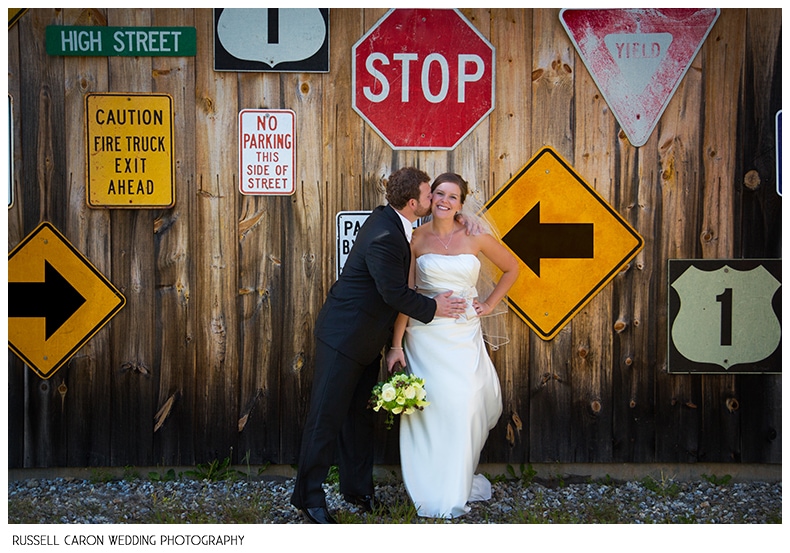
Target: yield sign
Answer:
[[569, 241], [57, 300], [638, 56]]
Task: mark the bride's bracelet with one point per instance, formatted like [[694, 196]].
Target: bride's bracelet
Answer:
[[393, 347]]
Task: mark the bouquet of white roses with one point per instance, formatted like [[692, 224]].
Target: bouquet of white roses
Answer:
[[402, 393]]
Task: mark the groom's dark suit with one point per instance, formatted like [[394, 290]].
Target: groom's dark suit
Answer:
[[353, 326]]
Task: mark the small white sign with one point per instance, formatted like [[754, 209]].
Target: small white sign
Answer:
[[267, 151], [779, 152], [348, 225], [10, 151]]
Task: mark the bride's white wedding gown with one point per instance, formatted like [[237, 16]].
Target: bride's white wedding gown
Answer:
[[440, 446]]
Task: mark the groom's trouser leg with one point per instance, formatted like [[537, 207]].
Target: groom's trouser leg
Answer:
[[356, 440], [334, 385]]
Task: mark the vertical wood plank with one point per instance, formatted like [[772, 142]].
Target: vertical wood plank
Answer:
[[510, 148], [679, 401], [86, 378], [262, 292], [549, 362], [303, 295], [216, 330], [16, 211], [133, 273], [17, 370], [43, 197], [592, 330], [723, 54], [175, 240], [343, 131], [635, 307], [378, 159], [759, 214], [634, 311], [41, 101]]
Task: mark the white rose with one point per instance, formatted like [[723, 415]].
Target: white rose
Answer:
[[388, 392]]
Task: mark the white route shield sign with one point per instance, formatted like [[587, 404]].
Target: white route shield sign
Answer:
[[725, 316]]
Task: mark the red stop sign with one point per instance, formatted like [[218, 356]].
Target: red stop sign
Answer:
[[423, 79]]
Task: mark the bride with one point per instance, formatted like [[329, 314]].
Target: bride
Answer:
[[440, 446]]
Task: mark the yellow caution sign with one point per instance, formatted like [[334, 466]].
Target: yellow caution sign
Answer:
[[130, 150], [569, 241], [57, 300]]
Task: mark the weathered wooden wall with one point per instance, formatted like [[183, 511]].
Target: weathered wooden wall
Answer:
[[211, 356]]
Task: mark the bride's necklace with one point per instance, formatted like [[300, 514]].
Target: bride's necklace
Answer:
[[447, 245]]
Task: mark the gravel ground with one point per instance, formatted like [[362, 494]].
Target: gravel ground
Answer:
[[264, 500]]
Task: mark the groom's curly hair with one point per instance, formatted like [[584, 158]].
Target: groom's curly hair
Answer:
[[404, 185]]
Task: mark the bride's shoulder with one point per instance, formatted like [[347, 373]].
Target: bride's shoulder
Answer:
[[418, 240], [419, 233], [482, 237]]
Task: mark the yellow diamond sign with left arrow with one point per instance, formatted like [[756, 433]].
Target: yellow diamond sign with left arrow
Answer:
[[57, 300], [569, 241]]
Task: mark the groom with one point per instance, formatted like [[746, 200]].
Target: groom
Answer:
[[353, 326]]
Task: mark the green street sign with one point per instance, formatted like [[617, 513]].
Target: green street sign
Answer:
[[120, 41]]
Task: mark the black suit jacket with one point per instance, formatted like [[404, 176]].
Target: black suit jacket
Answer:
[[360, 309]]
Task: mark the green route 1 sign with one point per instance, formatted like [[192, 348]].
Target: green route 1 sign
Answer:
[[725, 316]]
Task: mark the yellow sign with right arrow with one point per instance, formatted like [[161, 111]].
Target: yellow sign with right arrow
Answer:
[[57, 300]]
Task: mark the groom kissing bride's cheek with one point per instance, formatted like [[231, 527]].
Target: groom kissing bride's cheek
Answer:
[[415, 293]]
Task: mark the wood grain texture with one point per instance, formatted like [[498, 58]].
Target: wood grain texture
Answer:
[[212, 355]]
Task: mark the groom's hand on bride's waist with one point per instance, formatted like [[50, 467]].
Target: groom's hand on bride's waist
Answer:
[[448, 305]]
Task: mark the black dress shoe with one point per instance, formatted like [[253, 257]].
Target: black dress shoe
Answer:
[[365, 502], [318, 515]]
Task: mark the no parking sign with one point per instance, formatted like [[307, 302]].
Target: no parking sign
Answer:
[[267, 156]]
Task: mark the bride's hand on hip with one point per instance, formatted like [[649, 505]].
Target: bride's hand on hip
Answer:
[[482, 309]]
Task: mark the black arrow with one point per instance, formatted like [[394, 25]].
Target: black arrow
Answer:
[[532, 240], [55, 299]]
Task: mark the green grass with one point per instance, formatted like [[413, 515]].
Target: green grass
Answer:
[[664, 488], [169, 510], [718, 481]]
